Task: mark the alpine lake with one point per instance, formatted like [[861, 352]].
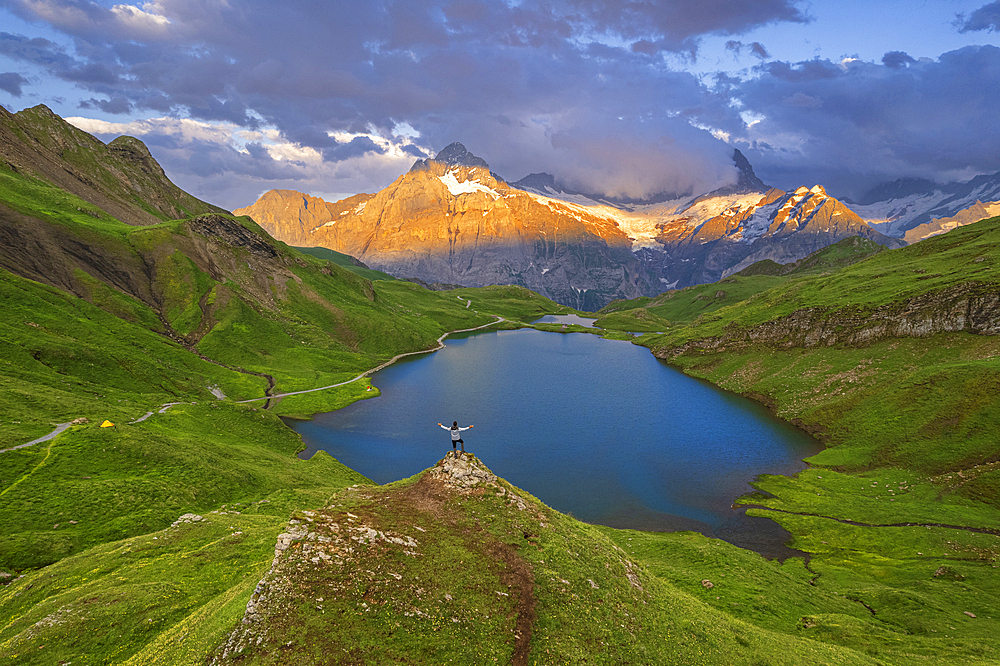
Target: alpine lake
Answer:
[[599, 429]]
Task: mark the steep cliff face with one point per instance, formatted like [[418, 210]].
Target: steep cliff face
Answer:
[[718, 235], [970, 307], [291, 216], [453, 221]]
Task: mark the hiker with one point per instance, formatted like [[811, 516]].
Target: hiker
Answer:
[[456, 436]]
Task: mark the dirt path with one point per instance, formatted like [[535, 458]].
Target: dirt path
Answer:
[[440, 345], [271, 384], [60, 428], [48, 452]]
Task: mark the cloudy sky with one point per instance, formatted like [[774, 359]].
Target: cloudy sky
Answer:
[[622, 97]]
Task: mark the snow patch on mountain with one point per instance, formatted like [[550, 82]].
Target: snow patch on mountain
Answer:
[[892, 217], [899, 215], [457, 188], [700, 212]]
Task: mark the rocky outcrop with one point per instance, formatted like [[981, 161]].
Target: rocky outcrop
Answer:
[[970, 307], [232, 233], [452, 221]]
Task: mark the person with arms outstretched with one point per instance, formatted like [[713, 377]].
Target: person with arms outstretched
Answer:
[[456, 436]]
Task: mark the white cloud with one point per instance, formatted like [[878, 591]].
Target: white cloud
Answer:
[[231, 166], [139, 19]]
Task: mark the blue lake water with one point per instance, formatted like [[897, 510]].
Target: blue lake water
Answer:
[[565, 319], [597, 428]]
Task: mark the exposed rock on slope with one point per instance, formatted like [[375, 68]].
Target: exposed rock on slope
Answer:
[[974, 308], [452, 221]]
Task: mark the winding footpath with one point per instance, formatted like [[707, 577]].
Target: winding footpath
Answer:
[[59, 428], [163, 408], [440, 345]]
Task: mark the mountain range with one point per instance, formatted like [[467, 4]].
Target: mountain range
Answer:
[[452, 220], [915, 208], [191, 532]]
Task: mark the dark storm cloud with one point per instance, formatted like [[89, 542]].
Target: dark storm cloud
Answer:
[[116, 106], [866, 122], [92, 75], [449, 69], [205, 159], [986, 17], [354, 148], [803, 72], [897, 59], [11, 82], [675, 25], [756, 49], [37, 51]]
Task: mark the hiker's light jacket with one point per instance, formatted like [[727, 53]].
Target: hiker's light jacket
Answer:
[[455, 432]]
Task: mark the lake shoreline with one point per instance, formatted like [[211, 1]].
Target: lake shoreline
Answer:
[[662, 519]]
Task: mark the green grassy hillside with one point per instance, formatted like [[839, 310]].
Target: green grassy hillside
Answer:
[[120, 179], [457, 566], [901, 511], [154, 541], [688, 304], [345, 261]]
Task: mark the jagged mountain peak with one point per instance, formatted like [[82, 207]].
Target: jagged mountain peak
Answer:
[[807, 191], [747, 181], [454, 154], [540, 181]]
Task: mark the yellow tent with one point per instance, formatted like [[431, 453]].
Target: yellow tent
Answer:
[[107, 424]]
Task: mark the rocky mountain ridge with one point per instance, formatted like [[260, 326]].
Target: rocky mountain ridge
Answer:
[[915, 208], [451, 220], [969, 307]]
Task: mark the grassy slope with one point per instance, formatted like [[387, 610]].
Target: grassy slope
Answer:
[[108, 357], [438, 573], [344, 261], [122, 174], [901, 512], [698, 303]]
